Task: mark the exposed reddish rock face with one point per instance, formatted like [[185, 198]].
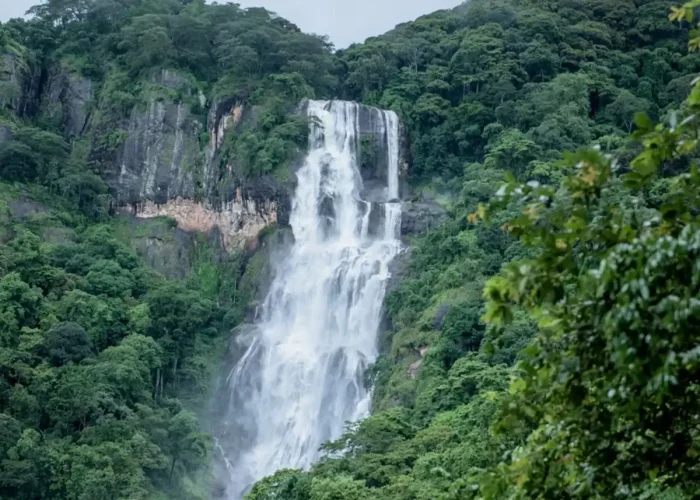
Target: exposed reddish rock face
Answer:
[[239, 221]]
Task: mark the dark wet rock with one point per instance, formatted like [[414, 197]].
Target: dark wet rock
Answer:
[[170, 79], [156, 160], [167, 250], [66, 99], [264, 189], [153, 152], [377, 216], [418, 217], [11, 82], [273, 248], [399, 269], [170, 250]]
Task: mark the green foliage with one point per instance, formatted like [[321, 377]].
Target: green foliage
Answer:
[[207, 41], [612, 376], [517, 81], [36, 155], [597, 310], [593, 315], [274, 142], [68, 342], [97, 354]]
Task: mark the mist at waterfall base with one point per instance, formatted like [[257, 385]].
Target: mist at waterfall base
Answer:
[[300, 377]]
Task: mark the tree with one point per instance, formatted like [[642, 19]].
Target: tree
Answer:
[[108, 278], [103, 320], [146, 43], [282, 484], [611, 376], [622, 110], [187, 446], [63, 11], [67, 342], [19, 307], [32, 155], [511, 152], [178, 316], [539, 61], [338, 488], [25, 471]]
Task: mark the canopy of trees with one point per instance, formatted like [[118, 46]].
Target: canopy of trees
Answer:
[[95, 350], [100, 357], [573, 373], [513, 84]]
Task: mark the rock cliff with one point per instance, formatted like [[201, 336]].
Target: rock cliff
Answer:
[[156, 146], [164, 161], [11, 82], [162, 155], [169, 165], [66, 100]]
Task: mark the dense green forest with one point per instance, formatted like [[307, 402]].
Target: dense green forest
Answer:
[[544, 339], [102, 358], [573, 373]]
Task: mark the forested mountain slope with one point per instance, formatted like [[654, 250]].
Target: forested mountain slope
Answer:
[[596, 407], [121, 106], [113, 106]]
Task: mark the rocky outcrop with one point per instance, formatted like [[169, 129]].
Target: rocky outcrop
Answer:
[[169, 163], [418, 217], [20, 85], [166, 249], [164, 168], [23, 208], [413, 367], [171, 251], [440, 316], [66, 98], [239, 221], [163, 157], [56, 94], [10, 82], [157, 159], [273, 248], [226, 114]]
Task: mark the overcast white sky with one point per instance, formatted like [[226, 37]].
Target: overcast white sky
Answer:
[[345, 21]]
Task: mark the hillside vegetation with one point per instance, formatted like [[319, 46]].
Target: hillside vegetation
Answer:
[[543, 340], [572, 373], [102, 358]]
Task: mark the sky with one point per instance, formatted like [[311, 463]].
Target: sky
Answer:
[[345, 21]]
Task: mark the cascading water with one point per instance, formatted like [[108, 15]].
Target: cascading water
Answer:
[[301, 378]]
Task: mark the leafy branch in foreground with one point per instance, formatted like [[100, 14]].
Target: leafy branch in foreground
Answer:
[[613, 377]]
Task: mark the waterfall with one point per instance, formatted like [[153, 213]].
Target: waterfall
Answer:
[[301, 378]]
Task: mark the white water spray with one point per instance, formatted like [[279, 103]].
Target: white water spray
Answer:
[[301, 379]]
